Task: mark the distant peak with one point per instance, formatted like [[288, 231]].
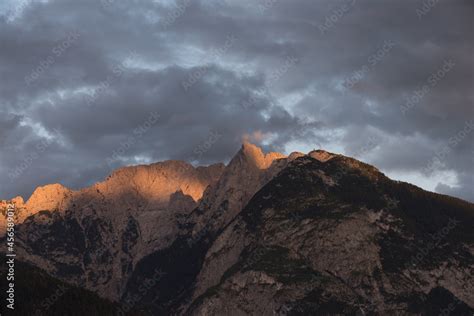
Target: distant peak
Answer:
[[48, 196], [251, 149], [255, 155], [50, 188], [321, 155]]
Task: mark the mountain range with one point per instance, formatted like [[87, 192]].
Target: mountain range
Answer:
[[266, 234]]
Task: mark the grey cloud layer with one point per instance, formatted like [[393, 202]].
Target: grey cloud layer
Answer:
[[66, 66]]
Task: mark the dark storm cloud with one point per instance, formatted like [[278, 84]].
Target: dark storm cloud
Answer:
[[87, 86]]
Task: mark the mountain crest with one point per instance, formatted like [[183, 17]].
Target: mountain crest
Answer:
[[48, 197], [321, 155], [255, 155]]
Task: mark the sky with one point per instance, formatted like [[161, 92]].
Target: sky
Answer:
[[89, 86]]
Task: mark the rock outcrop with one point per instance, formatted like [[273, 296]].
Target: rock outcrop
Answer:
[[49, 197]]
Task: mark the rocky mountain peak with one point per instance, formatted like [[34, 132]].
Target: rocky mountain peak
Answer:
[[129, 188], [255, 156], [331, 231], [18, 201], [321, 155], [245, 174], [48, 197], [159, 180]]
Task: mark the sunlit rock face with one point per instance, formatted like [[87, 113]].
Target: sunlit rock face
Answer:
[[48, 197], [321, 155], [93, 237]]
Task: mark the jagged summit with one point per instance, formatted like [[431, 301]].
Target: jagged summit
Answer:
[[125, 188], [255, 155], [248, 171], [245, 174], [51, 196], [48, 196], [159, 180]]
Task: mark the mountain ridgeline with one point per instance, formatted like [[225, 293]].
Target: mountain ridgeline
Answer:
[[266, 234]]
